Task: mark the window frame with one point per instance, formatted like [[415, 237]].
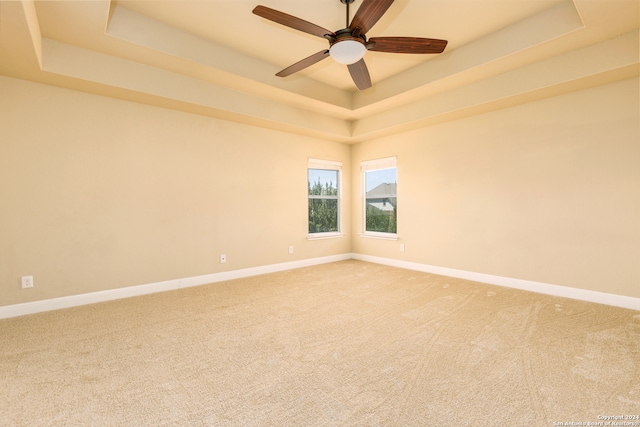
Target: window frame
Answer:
[[370, 166], [318, 164]]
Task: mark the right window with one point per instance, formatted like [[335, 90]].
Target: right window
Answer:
[[380, 197]]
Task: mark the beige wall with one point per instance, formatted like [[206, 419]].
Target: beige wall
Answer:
[[98, 193], [547, 191]]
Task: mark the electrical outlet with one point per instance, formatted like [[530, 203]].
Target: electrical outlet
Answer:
[[27, 282], [290, 249], [223, 259], [401, 247]]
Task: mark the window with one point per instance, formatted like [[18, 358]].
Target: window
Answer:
[[380, 197], [323, 180]]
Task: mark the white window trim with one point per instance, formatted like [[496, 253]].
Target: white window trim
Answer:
[[327, 235], [328, 165], [379, 235], [384, 163], [324, 164], [366, 166]]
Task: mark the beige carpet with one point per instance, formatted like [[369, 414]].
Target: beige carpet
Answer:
[[349, 343]]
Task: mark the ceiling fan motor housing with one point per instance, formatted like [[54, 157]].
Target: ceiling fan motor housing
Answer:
[[345, 48], [347, 34]]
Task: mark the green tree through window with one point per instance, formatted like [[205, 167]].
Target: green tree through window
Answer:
[[323, 201], [381, 201]]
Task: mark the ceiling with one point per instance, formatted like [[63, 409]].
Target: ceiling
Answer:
[[216, 58]]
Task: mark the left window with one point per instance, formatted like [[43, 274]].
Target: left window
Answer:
[[324, 181]]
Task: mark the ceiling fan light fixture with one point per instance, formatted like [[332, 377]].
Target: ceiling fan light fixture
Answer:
[[347, 52]]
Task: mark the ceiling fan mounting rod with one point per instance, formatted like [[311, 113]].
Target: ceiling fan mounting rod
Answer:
[[347, 2]]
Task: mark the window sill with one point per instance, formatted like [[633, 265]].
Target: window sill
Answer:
[[382, 236], [320, 236]]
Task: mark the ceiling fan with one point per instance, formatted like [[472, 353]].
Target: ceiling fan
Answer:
[[348, 46]]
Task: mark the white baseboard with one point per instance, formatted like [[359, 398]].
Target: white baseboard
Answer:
[[132, 291], [527, 285], [113, 294]]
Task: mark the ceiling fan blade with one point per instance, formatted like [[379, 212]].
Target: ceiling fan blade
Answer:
[[369, 12], [291, 21], [407, 45], [306, 62], [360, 74]]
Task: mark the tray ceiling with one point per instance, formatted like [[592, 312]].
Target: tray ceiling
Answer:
[[216, 58]]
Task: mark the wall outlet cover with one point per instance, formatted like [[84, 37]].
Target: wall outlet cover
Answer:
[[27, 282]]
